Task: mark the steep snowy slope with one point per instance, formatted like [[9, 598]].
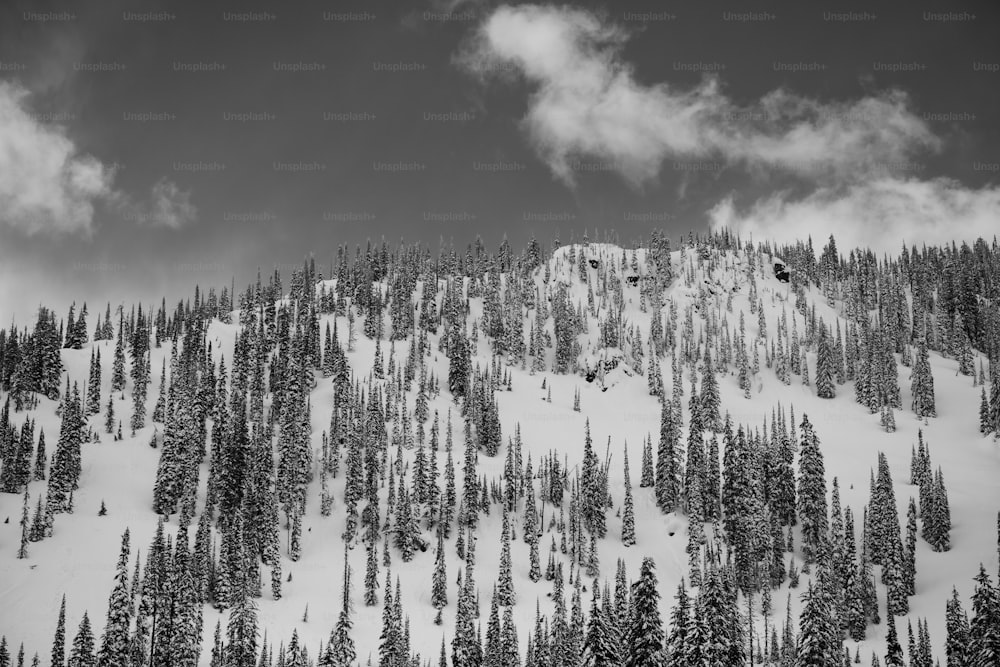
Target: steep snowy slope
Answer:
[[79, 559]]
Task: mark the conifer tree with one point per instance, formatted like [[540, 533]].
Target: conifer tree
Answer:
[[893, 650], [922, 384], [59, 641], [647, 479], [439, 582], [984, 628], [82, 652], [957, 631], [818, 643], [811, 505], [40, 458], [825, 365], [505, 590], [509, 656], [593, 496], [645, 630], [668, 467], [371, 576], [894, 577], [628, 512], [597, 647], [910, 549], [94, 384], [241, 648], [340, 650], [118, 365], [114, 643], [709, 400]]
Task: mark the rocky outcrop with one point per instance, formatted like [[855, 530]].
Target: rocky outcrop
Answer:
[[780, 272]]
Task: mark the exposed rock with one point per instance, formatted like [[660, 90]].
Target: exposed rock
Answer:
[[780, 272]]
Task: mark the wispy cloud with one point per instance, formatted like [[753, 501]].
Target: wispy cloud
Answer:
[[48, 186], [171, 206], [585, 102]]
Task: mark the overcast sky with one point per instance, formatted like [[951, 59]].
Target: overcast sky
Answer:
[[149, 146]]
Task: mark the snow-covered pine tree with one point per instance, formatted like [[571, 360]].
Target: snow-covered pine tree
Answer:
[[628, 512], [816, 642], [984, 627], [893, 650], [811, 507], [668, 468], [956, 630], [922, 384], [114, 642], [505, 583], [825, 364], [645, 630], [648, 479], [910, 548], [82, 652]]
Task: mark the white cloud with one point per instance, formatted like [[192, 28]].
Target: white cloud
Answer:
[[586, 102], [46, 185], [171, 206], [882, 214]]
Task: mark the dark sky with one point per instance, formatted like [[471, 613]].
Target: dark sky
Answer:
[[391, 136]]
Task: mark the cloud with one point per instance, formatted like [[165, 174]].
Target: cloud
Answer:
[[882, 214], [586, 102], [46, 185], [845, 157], [171, 206]]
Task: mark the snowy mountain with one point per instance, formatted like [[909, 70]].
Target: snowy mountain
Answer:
[[457, 428]]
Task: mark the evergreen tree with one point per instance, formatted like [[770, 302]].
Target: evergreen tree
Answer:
[[459, 363], [983, 649], [957, 630], [709, 400], [598, 650], [114, 643], [893, 650], [910, 549], [817, 640], [647, 479], [591, 483], [645, 630], [371, 576], [628, 512], [505, 591], [825, 365], [668, 466], [59, 641], [439, 582], [922, 384], [118, 365], [811, 492], [82, 652], [40, 458]]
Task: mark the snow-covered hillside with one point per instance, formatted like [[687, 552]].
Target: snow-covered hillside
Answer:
[[712, 295]]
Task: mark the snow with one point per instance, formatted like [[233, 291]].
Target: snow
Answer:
[[79, 559]]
